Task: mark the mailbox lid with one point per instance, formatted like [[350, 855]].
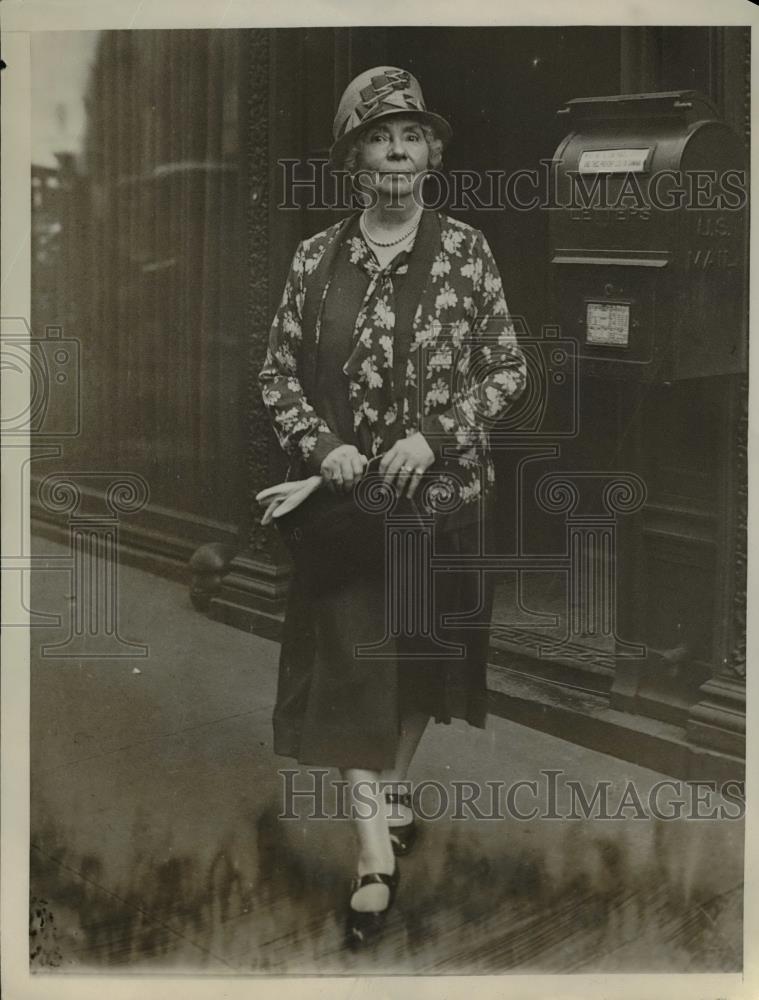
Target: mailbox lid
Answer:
[[627, 155], [685, 105], [656, 124]]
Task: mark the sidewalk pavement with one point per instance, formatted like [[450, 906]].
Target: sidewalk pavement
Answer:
[[156, 844]]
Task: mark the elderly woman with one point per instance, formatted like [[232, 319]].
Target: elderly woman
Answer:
[[392, 342]]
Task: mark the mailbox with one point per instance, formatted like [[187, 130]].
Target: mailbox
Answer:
[[648, 237]]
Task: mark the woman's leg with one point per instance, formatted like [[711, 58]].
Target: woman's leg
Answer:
[[375, 848], [412, 730]]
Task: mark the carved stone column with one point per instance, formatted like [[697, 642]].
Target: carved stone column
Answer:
[[719, 718], [252, 584]]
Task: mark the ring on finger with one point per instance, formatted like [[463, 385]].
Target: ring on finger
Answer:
[[406, 468]]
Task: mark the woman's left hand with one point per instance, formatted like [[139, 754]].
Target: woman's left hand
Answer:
[[406, 463]]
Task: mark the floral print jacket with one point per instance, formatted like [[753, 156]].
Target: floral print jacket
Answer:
[[463, 371]]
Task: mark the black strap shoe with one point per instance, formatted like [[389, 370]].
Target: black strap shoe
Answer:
[[363, 927], [403, 837]]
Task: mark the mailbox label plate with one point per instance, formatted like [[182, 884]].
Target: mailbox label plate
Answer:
[[608, 324], [612, 161]]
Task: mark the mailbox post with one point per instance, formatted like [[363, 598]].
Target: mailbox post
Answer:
[[648, 247]]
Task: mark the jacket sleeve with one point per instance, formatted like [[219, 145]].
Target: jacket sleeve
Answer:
[[299, 429], [495, 374]]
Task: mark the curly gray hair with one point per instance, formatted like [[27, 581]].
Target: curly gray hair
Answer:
[[434, 144]]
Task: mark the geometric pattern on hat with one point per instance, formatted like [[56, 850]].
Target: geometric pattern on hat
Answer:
[[379, 93], [387, 91]]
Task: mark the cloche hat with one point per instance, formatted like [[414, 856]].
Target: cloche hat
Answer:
[[377, 94]]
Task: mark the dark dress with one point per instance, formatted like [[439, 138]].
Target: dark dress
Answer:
[[337, 709]]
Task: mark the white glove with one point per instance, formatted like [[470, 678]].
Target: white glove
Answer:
[[283, 497]]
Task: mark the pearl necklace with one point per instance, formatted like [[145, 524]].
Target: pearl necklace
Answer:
[[392, 243]]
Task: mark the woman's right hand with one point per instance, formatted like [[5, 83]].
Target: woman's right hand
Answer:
[[343, 467]]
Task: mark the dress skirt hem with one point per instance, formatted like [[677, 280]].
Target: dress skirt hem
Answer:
[[345, 682]]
